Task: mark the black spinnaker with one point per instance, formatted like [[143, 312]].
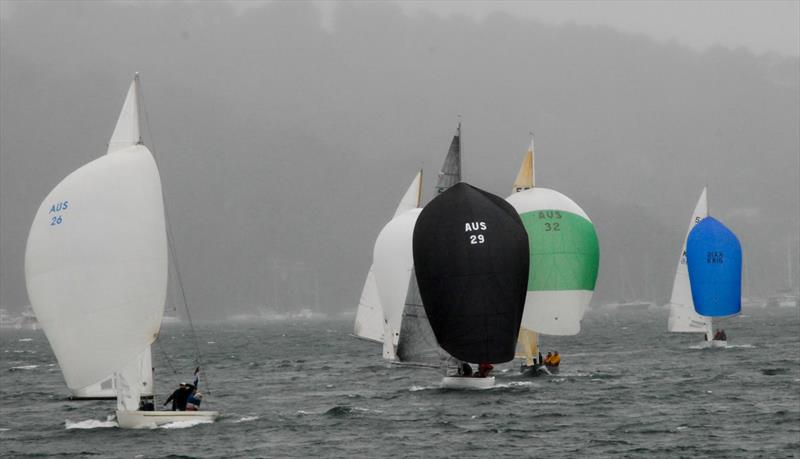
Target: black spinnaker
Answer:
[[471, 262]]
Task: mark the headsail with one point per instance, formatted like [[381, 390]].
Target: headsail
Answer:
[[682, 316], [526, 179], [714, 258], [392, 262], [126, 132], [564, 259], [369, 322], [451, 169], [96, 258], [470, 257]]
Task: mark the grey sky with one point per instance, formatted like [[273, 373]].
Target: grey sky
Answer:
[[284, 146], [761, 26]]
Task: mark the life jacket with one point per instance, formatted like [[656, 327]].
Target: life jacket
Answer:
[[554, 361]]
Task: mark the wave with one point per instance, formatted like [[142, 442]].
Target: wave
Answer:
[[419, 388], [91, 424], [186, 424], [23, 367], [25, 340], [247, 419]]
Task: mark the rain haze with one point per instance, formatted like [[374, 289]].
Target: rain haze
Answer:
[[285, 133]]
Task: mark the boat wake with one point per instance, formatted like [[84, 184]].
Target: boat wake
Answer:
[[419, 388], [91, 424], [23, 367], [246, 419], [185, 424]]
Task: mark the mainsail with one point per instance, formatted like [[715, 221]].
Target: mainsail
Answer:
[[682, 314], [96, 263], [714, 258], [470, 257], [369, 323], [417, 343]]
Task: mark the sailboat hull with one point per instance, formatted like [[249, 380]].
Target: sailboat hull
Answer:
[[150, 419], [467, 383]]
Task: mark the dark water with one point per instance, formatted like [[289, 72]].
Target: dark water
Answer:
[[307, 388]]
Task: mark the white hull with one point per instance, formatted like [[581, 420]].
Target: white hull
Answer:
[[150, 419], [714, 344], [467, 382]]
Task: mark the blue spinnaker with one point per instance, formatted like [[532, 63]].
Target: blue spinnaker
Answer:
[[714, 258]]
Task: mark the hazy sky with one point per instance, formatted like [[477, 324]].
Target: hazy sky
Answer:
[[761, 26], [285, 137]]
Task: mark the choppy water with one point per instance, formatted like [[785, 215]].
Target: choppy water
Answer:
[[307, 388]]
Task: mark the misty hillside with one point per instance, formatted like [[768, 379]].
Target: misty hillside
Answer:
[[284, 144]]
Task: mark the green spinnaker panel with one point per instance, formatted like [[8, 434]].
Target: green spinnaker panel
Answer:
[[564, 251]]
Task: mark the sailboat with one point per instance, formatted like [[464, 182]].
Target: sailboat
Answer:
[[714, 261], [564, 260], [404, 317], [471, 263], [96, 266], [682, 315], [369, 323]]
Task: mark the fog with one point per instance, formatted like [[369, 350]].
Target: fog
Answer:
[[284, 145]]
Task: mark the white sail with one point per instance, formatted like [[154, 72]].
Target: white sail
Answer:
[[682, 316], [393, 261], [369, 315], [566, 261], [96, 262], [412, 197], [126, 132]]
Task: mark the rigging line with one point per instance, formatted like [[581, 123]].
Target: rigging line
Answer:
[[171, 244]]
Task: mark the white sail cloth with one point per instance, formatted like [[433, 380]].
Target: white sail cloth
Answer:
[[682, 316]]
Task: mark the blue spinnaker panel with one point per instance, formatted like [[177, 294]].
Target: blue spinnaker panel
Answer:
[[714, 258]]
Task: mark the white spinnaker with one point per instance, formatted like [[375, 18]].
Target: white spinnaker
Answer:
[[682, 316], [392, 263], [96, 265], [551, 312], [369, 322]]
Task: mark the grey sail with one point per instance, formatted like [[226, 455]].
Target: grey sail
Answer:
[[417, 343], [451, 169]]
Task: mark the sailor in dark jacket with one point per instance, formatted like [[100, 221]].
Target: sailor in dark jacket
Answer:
[[180, 396]]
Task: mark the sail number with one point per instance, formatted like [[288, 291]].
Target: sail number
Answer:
[[471, 227], [715, 258], [549, 215], [56, 209]]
